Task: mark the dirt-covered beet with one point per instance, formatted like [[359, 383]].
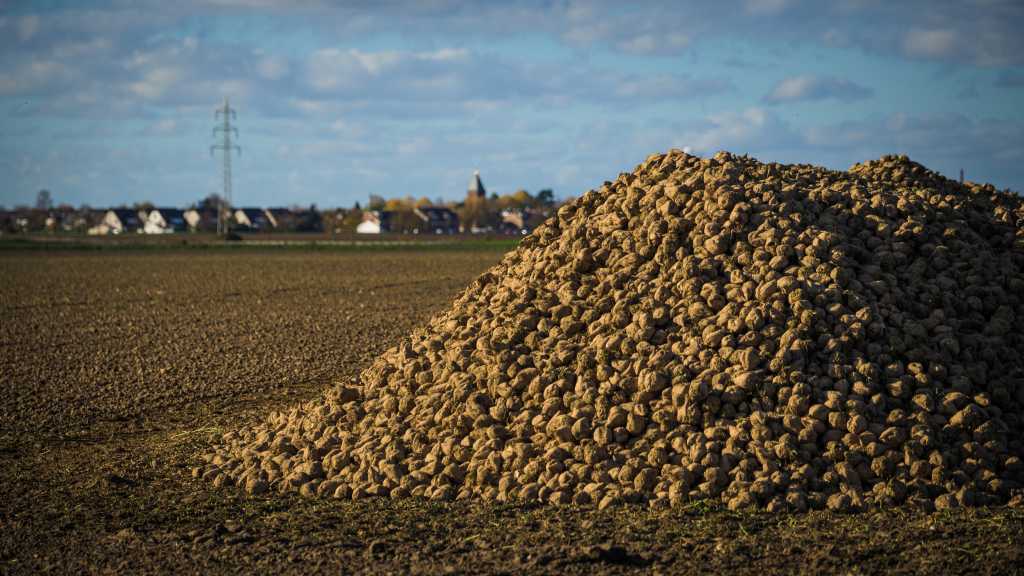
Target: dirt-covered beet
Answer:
[[776, 336]]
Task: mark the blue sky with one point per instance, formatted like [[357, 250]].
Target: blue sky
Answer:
[[112, 102]]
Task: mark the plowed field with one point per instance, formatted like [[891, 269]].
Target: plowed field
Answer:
[[118, 368]]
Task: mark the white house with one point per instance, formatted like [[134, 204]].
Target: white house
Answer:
[[193, 218], [253, 219], [375, 221], [371, 223], [165, 221], [120, 221], [437, 219]]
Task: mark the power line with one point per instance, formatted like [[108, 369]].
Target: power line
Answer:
[[226, 114]]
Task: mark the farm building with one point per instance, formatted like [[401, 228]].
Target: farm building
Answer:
[[165, 221], [437, 220]]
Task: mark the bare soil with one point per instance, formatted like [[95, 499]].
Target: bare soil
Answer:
[[118, 368]]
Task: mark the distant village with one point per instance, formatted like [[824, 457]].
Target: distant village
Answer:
[[517, 213]]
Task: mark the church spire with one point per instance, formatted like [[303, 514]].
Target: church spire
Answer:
[[476, 189]]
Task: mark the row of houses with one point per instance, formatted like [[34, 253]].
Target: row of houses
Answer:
[[478, 217], [155, 220], [171, 220], [36, 220], [442, 220], [477, 214], [419, 220], [422, 219]]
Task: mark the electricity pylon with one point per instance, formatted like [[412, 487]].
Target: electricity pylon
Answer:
[[227, 114]]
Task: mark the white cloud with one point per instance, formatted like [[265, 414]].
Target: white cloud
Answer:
[[237, 90], [372, 62], [795, 88], [327, 69], [73, 49], [263, 3], [444, 55], [8, 84], [308, 106], [272, 67], [484, 106], [932, 43], [438, 83], [583, 24], [27, 27], [664, 86], [655, 43], [164, 127], [44, 69], [811, 87], [332, 68], [415, 146], [644, 44], [733, 131], [835, 36], [433, 72], [35, 74], [346, 129], [155, 82], [766, 6]]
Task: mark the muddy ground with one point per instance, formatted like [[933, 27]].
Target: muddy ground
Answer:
[[117, 368]]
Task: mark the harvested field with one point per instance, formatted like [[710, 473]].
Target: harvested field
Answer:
[[118, 368], [120, 339]]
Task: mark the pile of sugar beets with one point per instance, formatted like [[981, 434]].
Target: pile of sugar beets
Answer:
[[774, 336]]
